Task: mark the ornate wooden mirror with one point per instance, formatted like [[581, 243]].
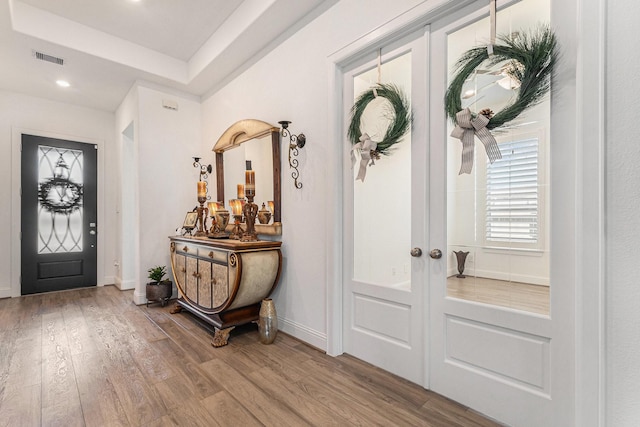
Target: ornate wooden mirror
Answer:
[[258, 142]]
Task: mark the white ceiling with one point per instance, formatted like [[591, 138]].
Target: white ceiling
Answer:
[[192, 46]]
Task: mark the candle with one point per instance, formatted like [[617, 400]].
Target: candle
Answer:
[[250, 182], [240, 191], [271, 208], [202, 189]]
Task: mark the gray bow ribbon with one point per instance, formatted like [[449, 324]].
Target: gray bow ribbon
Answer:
[[365, 146], [466, 128]]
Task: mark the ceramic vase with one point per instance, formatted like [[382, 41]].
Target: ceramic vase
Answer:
[[264, 215], [268, 321]]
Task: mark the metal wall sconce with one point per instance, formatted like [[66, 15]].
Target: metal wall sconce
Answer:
[[295, 142], [205, 170]]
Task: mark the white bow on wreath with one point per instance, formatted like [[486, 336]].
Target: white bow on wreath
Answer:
[[465, 130], [366, 146]]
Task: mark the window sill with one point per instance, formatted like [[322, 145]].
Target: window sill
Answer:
[[513, 251]]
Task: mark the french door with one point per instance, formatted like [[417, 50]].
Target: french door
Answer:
[[58, 214], [385, 220], [500, 336], [501, 339]]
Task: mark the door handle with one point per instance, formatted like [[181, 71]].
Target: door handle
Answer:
[[435, 253], [416, 252]]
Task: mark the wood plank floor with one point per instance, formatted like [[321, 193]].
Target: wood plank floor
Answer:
[[520, 296], [90, 357]]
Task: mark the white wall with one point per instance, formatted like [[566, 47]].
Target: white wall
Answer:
[[21, 113], [622, 216], [165, 142], [291, 83]]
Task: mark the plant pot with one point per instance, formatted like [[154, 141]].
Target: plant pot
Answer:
[[159, 292]]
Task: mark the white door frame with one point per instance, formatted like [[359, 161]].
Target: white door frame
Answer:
[[580, 124]]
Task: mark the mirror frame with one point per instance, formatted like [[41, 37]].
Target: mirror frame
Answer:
[[235, 135]]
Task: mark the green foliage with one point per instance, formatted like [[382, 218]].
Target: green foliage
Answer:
[[536, 52], [157, 273], [401, 120]]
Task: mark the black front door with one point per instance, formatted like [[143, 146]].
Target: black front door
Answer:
[[59, 221]]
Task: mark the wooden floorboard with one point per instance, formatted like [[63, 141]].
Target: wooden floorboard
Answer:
[[90, 357]]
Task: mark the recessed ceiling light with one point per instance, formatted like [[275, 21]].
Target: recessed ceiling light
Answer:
[[63, 83]]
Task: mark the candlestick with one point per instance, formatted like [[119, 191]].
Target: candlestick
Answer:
[[250, 211], [236, 209], [202, 213], [240, 191]]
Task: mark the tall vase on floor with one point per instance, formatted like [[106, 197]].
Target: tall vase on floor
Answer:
[[268, 321], [461, 256]]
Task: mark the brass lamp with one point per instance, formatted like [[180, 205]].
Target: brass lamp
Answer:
[[219, 220], [222, 218]]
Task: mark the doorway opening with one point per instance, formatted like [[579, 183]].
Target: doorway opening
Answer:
[[129, 222]]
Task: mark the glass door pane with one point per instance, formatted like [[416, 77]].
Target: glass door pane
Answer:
[[497, 216], [60, 198], [382, 203]]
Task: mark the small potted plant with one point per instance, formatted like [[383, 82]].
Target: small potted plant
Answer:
[[159, 289]]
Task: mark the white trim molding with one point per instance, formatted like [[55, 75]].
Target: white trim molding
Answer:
[[590, 241]]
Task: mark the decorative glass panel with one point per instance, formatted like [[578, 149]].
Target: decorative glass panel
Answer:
[[60, 199]]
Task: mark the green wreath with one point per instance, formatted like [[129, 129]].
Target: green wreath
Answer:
[[401, 117], [532, 57]]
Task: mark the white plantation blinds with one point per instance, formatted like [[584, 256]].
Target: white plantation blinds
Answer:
[[512, 209]]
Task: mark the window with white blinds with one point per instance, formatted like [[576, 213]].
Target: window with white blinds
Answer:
[[512, 203]]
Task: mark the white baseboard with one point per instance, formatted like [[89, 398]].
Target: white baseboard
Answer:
[[497, 275], [139, 298], [124, 285], [303, 333], [522, 278], [5, 293], [107, 280]]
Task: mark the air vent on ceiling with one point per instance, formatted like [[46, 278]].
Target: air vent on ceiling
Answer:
[[49, 58]]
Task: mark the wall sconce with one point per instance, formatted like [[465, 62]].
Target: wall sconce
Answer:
[[205, 170], [295, 142]]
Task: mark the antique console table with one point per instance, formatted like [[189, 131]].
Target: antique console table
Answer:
[[223, 281]]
